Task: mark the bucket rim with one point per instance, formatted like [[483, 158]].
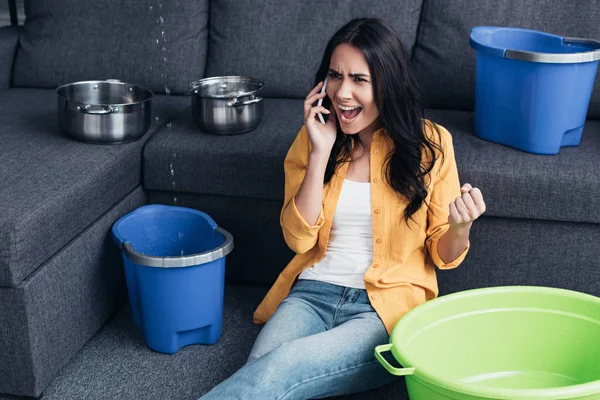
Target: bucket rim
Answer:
[[188, 260], [562, 393], [593, 55]]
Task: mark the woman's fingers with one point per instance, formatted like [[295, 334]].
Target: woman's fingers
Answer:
[[315, 89], [478, 200], [312, 114], [470, 205], [310, 100], [462, 210], [313, 99], [454, 214], [312, 96]]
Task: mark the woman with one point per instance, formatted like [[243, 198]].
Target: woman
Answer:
[[372, 204]]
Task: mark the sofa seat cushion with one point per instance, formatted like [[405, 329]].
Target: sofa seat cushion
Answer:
[[184, 159], [562, 187], [52, 186], [282, 41], [445, 62]]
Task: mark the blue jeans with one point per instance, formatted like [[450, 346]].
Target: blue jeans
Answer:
[[318, 343]]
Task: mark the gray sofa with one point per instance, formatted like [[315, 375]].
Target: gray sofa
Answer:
[[61, 276]]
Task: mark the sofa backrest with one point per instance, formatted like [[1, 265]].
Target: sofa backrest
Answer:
[[282, 41], [445, 63], [158, 44]]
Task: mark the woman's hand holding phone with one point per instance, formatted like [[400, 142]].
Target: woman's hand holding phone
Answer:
[[322, 134]]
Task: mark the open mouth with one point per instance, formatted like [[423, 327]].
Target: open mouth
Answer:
[[349, 114]]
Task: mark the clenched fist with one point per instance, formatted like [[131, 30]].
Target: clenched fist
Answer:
[[466, 208]]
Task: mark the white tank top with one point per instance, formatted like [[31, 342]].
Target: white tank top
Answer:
[[350, 248]]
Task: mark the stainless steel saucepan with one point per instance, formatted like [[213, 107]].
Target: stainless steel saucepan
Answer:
[[227, 105], [108, 111]]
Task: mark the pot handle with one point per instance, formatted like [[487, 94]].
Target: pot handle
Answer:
[[235, 103], [102, 110], [392, 370]]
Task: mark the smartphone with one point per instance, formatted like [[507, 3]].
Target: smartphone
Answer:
[[320, 102]]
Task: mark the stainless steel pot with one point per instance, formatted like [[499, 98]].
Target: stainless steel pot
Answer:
[[108, 111], [227, 105]]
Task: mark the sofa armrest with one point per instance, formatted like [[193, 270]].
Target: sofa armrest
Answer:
[[9, 37]]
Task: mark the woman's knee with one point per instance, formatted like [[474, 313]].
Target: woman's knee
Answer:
[[286, 358], [280, 352]]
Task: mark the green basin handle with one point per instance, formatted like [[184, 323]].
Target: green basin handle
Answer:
[[392, 370]]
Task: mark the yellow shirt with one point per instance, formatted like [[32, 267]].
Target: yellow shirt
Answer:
[[402, 274]]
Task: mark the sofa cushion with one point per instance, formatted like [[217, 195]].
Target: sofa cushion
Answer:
[[282, 42], [183, 159], [562, 187], [516, 184], [53, 187], [50, 315], [9, 37], [526, 252], [155, 44], [445, 63]]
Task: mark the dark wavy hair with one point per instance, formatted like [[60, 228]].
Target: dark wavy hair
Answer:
[[400, 105]]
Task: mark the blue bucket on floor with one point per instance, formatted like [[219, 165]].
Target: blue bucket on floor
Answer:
[[532, 89], [174, 259]]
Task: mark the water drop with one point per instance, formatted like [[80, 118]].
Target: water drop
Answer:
[[164, 48], [96, 87], [167, 90], [165, 59], [150, 8], [159, 5], [174, 200], [169, 125], [157, 119], [162, 32], [160, 19], [180, 235], [157, 41], [181, 251], [172, 171]]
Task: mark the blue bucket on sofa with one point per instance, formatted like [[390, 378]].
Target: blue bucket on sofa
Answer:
[[174, 260], [532, 89]]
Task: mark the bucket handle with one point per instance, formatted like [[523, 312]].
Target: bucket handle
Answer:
[[392, 370], [180, 261]]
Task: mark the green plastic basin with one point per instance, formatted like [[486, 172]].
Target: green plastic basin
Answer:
[[514, 342]]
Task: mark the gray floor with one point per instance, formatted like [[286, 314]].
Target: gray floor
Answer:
[[117, 364]]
